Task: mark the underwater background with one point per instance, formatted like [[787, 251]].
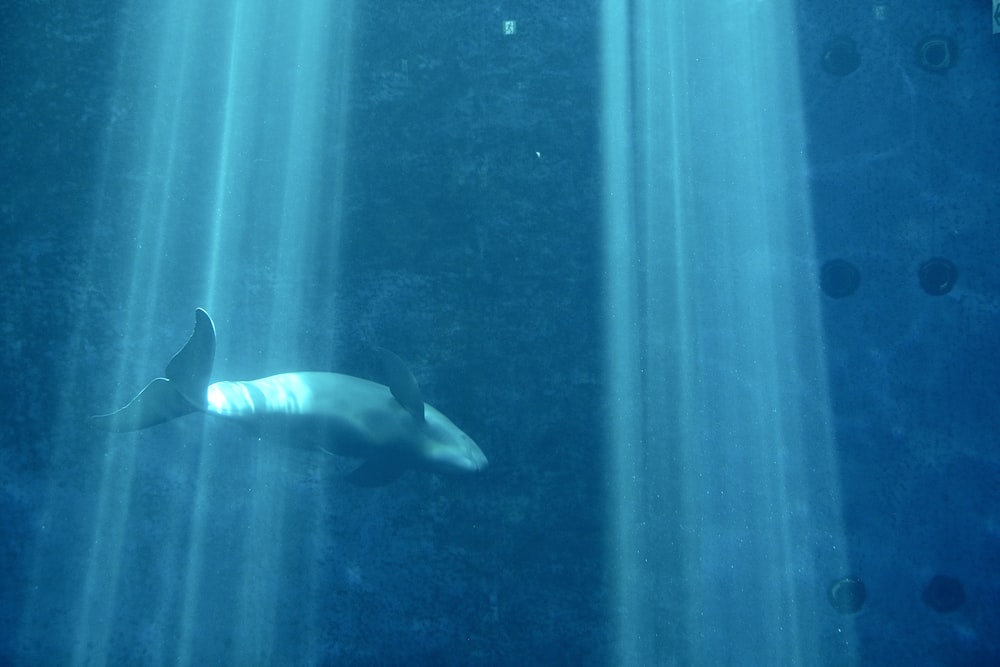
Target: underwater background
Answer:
[[715, 289]]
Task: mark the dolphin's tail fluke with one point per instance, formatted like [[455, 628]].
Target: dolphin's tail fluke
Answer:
[[157, 403], [191, 368], [181, 392]]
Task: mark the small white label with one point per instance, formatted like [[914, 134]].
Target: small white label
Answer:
[[510, 27]]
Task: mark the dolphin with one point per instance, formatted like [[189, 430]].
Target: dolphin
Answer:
[[390, 427]]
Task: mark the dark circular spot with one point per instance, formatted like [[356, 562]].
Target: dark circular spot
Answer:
[[839, 278], [937, 276], [936, 53], [944, 594], [840, 56], [847, 595]]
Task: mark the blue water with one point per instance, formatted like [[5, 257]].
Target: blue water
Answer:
[[329, 180]]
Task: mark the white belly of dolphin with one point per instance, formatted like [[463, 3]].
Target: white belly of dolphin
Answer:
[[388, 426], [340, 413]]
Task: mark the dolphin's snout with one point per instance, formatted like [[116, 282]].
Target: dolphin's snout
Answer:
[[479, 460], [465, 458], [475, 460]]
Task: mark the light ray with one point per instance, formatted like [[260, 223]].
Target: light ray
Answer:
[[725, 493]]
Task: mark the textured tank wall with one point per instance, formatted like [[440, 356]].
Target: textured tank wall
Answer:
[[469, 243]]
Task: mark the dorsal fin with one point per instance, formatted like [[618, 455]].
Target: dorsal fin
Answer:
[[402, 384], [191, 368]]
